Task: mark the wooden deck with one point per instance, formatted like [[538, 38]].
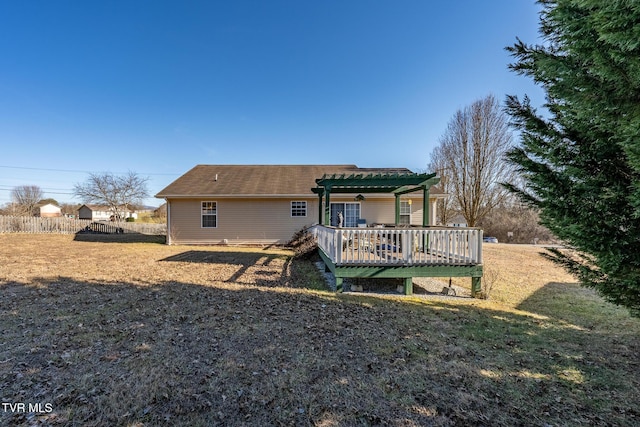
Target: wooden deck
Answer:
[[402, 253]]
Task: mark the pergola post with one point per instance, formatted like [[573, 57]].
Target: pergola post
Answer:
[[327, 207], [320, 207], [425, 207]]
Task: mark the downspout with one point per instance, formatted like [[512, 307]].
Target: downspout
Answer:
[[168, 239]]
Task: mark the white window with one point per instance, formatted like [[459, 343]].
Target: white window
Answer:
[[405, 213], [209, 214], [299, 208]]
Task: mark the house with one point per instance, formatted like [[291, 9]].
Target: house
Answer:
[[161, 211], [457, 221], [49, 211], [266, 204], [101, 213]]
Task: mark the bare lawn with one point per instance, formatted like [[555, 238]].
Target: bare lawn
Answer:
[[117, 332]]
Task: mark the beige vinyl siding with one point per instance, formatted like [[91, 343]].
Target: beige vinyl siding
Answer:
[[269, 220], [378, 210], [239, 220], [382, 210]]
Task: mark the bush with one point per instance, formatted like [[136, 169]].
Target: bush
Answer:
[[304, 244], [516, 224]]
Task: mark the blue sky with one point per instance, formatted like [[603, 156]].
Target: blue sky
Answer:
[[157, 87]]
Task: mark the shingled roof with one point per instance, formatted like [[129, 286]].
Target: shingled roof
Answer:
[[259, 180]]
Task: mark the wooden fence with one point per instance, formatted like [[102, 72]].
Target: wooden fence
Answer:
[[35, 225]]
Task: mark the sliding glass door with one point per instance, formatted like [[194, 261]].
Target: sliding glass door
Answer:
[[350, 214]]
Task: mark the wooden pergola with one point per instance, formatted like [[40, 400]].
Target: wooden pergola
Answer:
[[396, 183]]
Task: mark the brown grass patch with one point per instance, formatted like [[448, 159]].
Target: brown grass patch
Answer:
[[144, 334]]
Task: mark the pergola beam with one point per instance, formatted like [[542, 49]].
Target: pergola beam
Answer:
[[388, 181]]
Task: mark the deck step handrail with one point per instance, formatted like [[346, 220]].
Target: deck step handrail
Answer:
[[401, 246]]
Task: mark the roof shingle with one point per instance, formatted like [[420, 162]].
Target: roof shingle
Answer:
[[266, 180]]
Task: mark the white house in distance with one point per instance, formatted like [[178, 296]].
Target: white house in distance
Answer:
[[49, 211], [266, 204], [100, 213], [457, 221]]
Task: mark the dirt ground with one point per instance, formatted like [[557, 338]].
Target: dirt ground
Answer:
[[116, 331]]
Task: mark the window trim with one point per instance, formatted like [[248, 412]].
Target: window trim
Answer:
[[407, 212], [299, 208], [203, 214]]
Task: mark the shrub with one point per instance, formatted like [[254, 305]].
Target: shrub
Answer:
[[304, 244]]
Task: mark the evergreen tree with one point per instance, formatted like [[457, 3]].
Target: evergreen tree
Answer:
[[581, 159]]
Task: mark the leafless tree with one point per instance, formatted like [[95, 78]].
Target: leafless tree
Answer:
[[515, 222], [120, 193], [447, 207], [25, 198], [471, 155], [70, 209]]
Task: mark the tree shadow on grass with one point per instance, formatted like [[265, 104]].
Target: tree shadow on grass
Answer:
[[174, 353], [257, 268], [574, 304]]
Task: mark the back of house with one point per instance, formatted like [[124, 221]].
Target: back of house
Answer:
[[267, 204]]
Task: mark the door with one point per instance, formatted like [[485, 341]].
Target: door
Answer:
[[350, 214]]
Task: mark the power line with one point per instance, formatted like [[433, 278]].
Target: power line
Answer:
[[46, 192], [43, 169], [11, 187], [82, 171]]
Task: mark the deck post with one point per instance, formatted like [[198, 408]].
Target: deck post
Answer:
[[476, 286], [339, 284], [408, 285]]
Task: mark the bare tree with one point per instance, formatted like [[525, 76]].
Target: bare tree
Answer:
[[471, 155], [70, 209], [120, 193], [447, 207], [25, 198], [516, 222]]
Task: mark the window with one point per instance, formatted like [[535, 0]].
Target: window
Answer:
[[405, 212], [350, 214], [299, 208], [209, 214]]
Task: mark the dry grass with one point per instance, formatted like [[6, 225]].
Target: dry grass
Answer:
[[144, 334], [520, 272]]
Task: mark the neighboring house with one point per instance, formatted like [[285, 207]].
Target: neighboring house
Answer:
[[100, 213], [49, 211], [265, 204], [161, 211], [457, 221]]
